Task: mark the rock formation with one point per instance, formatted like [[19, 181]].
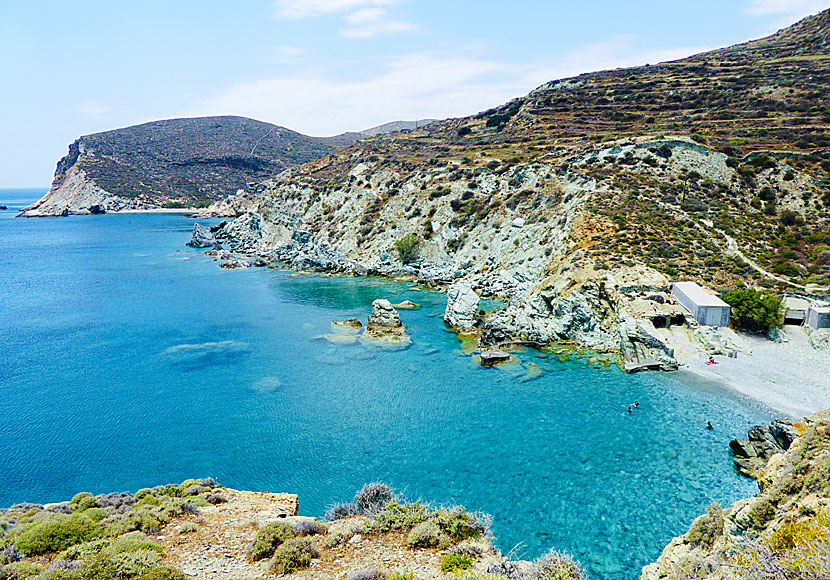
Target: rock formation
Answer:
[[784, 527], [202, 238], [462, 306], [385, 325]]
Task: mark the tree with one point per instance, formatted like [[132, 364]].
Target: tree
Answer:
[[752, 310], [407, 248]]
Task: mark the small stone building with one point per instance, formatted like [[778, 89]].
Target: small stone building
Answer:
[[818, 316], [706, 308]]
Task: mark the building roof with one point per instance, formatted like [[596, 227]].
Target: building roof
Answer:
[[699, 296]]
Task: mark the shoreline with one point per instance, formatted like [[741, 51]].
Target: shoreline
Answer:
[[789, 377]]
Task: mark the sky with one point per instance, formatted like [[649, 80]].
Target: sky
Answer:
[[321, 67]]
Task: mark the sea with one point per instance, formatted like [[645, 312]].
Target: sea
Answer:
[[129, 360]]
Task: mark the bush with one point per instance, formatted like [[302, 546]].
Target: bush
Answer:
[[162, 573], [458, 524], [268, 539], [407, 248], [338, 511], [456, 563], [707, 528], [400, 516], [56, 534], [427, 535], [753, 311], [84, 501], [294, 554], [373, 497], [309, 528], [462, 131], [558, 566], [401, 576], [20, 570]]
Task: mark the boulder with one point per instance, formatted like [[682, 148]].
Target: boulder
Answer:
[[385, 324], [352, 323], [462, 306], [490, 357], [202, 238], [3, 208], [406, 305]]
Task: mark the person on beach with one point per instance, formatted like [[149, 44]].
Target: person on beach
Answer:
[[711, 360]]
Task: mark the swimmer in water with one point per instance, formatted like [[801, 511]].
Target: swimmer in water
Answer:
[[629, 409], [709, 425]]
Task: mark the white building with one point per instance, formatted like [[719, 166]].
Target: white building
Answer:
[[818, 316], [706, 308]]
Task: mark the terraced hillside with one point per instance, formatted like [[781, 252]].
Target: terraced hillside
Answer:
[[715, 167]]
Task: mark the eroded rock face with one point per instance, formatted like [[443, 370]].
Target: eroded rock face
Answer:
[[385, 324], [462, 306], [763, 442], [202, 238]]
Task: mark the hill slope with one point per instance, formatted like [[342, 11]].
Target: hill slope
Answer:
[[573, 199], [178, 162]]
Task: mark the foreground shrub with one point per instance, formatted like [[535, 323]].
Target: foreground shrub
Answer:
[[294, 554], [20, 570], [162, 573], [338, 511], [707, 528], [407, 248], [752, 310], [371, 574], [427, 535], [57, 533], [558, 566], [456, 563], [268, 539], [399, 516], [309, 528], [373, 497], [401, 576]]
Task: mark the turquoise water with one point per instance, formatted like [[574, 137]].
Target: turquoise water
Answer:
[[129, 360]]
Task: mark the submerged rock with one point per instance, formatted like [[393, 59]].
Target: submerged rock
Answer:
[[202, 238], [385, 324], [407, 305], [348, 325], [490, 357], [462, 306]]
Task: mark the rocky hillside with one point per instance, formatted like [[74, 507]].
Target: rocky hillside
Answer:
[[783, 532], [583, 199], [174, 163]]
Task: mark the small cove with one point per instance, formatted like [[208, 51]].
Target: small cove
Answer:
[[130, 360]]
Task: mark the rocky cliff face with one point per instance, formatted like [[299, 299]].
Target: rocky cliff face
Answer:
[[783, 532], [178, 163], [679, 170]]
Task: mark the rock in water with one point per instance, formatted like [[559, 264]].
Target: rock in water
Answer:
[[462, 306], [385, 324], [407, 305], [490, 357], [202, 238]]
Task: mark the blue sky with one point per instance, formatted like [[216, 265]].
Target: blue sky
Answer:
[[320, 67]]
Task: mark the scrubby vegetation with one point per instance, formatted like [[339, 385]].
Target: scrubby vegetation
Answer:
[[97, 537]]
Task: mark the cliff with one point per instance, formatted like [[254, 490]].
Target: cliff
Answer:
[[173, 163], [580, 201], [783, 532]]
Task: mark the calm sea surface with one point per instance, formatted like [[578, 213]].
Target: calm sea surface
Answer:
[[128, 360]]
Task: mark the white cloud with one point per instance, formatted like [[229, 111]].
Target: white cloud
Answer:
[[371, 22], [92, 108], [298, 9], [418, 85]]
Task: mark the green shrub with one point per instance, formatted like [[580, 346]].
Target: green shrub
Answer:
[[407, 248], [268, 539], [162, 573], [558, 566], [399, 516], [458, 524], [57, 533], [752, 310], [83, 501], [401, 576], [427, 535], [707, 528], [20, 570], [456, 563], [294, 554]]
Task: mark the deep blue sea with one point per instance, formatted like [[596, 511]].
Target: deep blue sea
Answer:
[[129, 360]]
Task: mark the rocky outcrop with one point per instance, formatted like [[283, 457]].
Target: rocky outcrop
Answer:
[[781, 528], [202, 238], [489, 358], [752, 454], [385, 325], [462, 306]]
